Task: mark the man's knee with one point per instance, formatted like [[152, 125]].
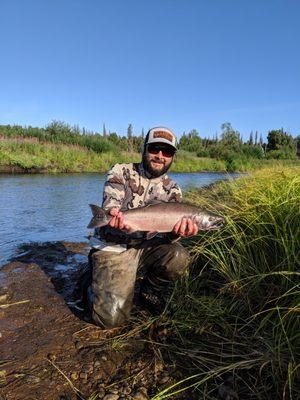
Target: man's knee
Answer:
[[179, 261], [168, 260]]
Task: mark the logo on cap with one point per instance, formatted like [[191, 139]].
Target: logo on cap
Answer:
[[164, 135]]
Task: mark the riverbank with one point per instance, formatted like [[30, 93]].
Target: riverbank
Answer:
[[230, 330], [50, 351], [31, 156]]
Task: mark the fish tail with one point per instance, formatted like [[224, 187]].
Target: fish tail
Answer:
[[100, 217]]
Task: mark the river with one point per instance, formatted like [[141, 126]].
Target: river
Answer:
[[40, 208]]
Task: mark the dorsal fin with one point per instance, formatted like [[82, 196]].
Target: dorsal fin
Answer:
[[154, 201]]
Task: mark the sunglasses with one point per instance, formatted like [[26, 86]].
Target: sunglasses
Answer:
[[165, 151]]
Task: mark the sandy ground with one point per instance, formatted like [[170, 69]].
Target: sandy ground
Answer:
[[48, 350]]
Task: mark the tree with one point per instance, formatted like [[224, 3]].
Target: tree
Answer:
[[298, 145], [104, 134], [229, 137], [129, 137], [251, 139], [277, 139], [280, 145]]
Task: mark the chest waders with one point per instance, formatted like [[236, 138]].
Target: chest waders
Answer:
[[114, 277]]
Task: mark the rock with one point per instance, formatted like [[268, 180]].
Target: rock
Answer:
[[101, 392], [164, 379], [74, 376], [88, 368], [114, 391], [83, 375], [52, 357], [99, 375], [78, 345], [3, 298], [159, 366], [141, 394], [126, 390], [33, 379], [111, 396]]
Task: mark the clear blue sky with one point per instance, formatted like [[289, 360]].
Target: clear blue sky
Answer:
[[180, 63]]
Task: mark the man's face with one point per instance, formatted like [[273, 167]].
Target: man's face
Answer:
[[158, 158]]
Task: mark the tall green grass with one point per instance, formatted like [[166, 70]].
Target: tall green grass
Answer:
[[235, 327], [30, 153]]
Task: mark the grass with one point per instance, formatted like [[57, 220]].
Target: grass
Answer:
[[30, 154], [235, 318]]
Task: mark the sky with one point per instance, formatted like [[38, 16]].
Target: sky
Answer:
[[184, 64]]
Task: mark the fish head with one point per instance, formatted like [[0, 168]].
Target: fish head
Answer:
[[207, 221]]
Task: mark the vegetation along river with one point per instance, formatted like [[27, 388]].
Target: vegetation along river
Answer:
[[40, 208]]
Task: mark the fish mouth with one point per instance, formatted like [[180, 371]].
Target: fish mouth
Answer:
[[217, 224]]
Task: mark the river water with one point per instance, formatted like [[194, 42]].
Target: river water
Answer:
[[40, 208]]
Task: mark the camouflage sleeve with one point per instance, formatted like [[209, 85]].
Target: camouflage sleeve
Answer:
[[175, 194], [114, 189]]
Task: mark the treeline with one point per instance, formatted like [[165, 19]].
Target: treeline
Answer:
[[230, 146], [60, 132], [280, 145]]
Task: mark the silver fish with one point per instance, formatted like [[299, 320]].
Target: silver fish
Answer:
[[159, 217]]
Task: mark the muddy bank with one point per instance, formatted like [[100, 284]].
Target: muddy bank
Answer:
[[16, 169], [49, 351]]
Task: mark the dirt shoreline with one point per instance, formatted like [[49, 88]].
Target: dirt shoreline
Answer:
[[50, 352], [16, 169]]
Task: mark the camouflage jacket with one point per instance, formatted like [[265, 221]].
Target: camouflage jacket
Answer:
[[130, 186]]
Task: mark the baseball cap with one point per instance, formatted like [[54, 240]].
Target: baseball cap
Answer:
[[161, 134]]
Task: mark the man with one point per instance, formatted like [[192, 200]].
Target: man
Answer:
[[118, 255]]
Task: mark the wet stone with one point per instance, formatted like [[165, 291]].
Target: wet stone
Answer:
[[99, 376], [83, 375], [88, 368], [114, 390], [126, 390], [3, 298], [74, 376], [141, 394], [101, 392]]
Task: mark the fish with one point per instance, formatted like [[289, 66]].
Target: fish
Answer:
[[159, 217]]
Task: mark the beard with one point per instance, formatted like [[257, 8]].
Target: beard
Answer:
[[155, 173]]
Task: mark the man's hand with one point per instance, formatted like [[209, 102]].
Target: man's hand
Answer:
[[118, 220], [185, 227]]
